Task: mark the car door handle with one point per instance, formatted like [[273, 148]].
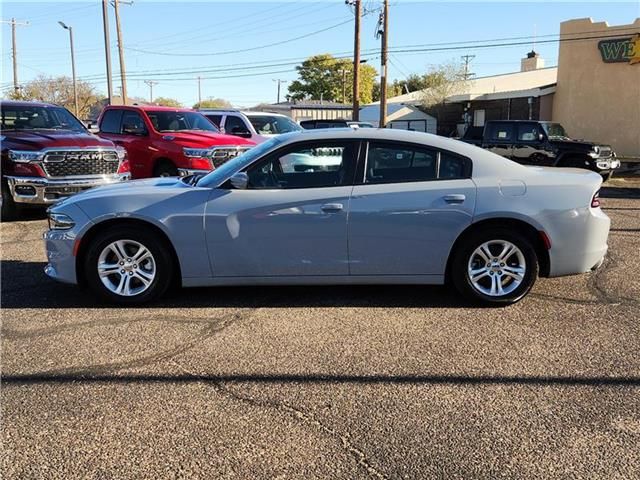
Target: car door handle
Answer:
[[331, 207], [454, 198]]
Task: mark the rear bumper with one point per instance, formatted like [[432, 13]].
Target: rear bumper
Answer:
[[47, 191], [582, 246]]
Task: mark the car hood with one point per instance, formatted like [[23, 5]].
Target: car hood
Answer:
[[575, 144], [205, 139], [39, 139]]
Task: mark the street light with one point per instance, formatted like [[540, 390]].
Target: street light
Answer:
[[73, 67]]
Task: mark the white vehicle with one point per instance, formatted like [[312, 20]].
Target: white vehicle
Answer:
[[256, 126]]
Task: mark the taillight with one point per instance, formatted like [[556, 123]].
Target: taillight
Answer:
[[595, 201], [124, 167], [200, 164]]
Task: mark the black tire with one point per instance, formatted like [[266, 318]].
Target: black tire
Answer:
[[158, 248], [165, 168], [459, 273], [9, 208], [606, 176]]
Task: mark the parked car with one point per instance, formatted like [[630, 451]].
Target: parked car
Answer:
[[47, 154], [544, 144], [402, 207], [255, 126], [315, 124], [168, 142]]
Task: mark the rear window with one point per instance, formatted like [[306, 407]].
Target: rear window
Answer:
[[215, 119], [500, 132]]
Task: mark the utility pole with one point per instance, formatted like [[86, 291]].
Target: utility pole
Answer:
[[123, 76], [14, 54], [73, 68], [279, 82], [355, 115], [107, 49], [384, 23], [467, 60], [151, 83], [199, 92]]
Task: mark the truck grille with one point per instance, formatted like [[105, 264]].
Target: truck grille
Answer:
[[220, 155], [605, 152], [67, 163]]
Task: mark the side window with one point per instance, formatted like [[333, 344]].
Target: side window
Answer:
[[306, 165], [527, 132], [111, 121], [233, 123], [132, 121], [501, 132], [391, 163], [453, 167], [215, 119]]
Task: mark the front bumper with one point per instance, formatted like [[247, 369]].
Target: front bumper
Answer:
[[47, 191], [185, 172]]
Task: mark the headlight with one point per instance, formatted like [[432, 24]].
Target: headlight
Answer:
[[197, 152], [595, 152], [24, 156], [60, 221]]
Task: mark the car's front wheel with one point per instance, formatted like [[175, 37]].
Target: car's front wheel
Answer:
[[495, 266], [128, 265]]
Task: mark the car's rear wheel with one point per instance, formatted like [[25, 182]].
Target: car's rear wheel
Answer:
[[128, 265], [496, 266]]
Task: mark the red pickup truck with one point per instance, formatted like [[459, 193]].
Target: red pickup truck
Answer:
[[165, 141], [47, 154]]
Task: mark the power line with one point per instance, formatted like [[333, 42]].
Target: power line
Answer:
[[229, 52]]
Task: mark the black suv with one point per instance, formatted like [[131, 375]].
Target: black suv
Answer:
[[543, 144]]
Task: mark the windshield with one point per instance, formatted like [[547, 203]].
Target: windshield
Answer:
[[554, 130], [273, 124], [168, 121], [28, 117], [236, 164]]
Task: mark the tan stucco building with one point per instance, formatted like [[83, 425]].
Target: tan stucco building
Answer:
[[597, 94]]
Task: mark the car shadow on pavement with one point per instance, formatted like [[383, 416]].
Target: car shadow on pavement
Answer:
[[296, 379], [24, 285]]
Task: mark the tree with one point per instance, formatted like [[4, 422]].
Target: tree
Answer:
[[444, 81], [213, 103], [167, 102], [59, 91], [393, 90], [324, 77]]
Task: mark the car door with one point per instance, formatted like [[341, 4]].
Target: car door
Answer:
[[499, 138], [411, 205], [529, 147], [291, 220], [134, 138]]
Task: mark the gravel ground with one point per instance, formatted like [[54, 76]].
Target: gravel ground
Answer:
[[324, 382]]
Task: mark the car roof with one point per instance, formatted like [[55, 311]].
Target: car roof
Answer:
[[149, 108], [25, 103]]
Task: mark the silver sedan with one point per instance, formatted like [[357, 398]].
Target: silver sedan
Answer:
[[355, 207]]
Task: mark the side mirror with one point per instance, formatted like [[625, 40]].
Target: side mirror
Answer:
[[240, 132], [132, 129], [239, 181]]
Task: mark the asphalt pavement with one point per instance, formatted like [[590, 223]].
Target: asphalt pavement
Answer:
[[324, 382]]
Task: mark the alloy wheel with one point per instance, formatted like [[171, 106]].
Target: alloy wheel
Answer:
[[126, 267], [496, 268]]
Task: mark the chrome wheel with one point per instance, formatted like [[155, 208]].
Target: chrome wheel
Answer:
[[496, 268], [126, 267]]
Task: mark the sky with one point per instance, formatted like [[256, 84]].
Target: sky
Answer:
[[240, 48]]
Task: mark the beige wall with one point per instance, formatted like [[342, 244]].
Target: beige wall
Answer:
[[595, 100]]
